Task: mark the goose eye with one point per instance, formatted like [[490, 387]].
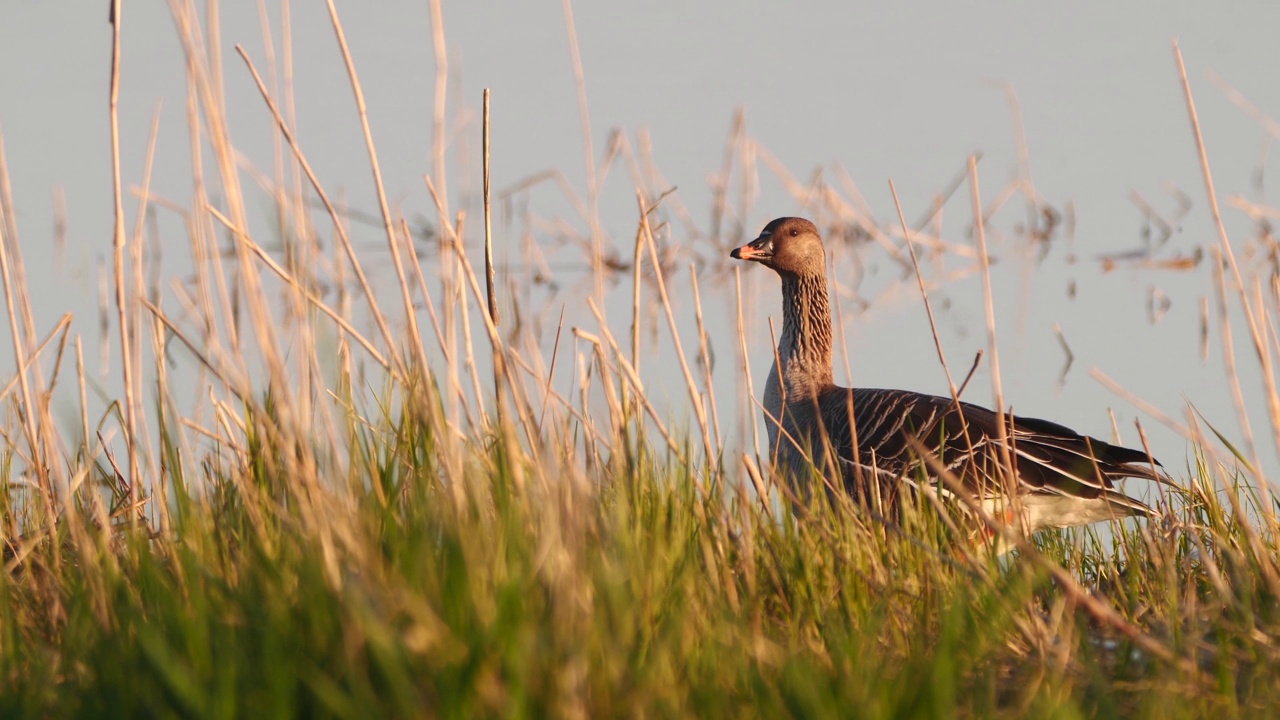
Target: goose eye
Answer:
[[795, 232]]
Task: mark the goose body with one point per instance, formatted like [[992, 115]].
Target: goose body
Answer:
[[873, 442]]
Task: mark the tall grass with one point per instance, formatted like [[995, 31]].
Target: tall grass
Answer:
[[323, 509]]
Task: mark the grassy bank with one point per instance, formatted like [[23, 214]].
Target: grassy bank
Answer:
[[624, 592]]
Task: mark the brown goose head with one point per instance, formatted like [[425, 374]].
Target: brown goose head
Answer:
[[789, 245]]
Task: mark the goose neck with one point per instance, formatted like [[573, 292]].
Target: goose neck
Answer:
[[805, 345]]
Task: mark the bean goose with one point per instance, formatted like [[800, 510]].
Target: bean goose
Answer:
[[879, 437]]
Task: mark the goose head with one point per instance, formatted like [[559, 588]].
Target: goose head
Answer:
[[789, 246]]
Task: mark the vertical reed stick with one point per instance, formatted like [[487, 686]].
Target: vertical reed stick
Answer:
[[490, 292], [984, 262], [488, 223], [118, 241]]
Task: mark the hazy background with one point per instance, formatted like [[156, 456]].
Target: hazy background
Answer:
[[904, 91]]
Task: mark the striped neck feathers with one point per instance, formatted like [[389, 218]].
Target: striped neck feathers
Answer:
[[805, 345]]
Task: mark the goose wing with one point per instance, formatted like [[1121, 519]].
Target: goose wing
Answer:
[[1047, 457]]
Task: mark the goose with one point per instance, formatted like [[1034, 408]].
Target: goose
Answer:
[[873, 442]]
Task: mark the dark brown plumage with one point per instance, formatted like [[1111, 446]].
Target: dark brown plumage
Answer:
[[1063, 478]]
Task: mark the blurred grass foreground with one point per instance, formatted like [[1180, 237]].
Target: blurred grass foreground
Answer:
[[306, 492]]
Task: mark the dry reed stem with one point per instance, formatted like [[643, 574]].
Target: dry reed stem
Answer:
[[277, 187], [839, 315], [849, 409], [984, 262], [1201, 443], [699, 409], [1153, 216], [861, 210], [1228, 351], [720, 208], [8, 213], [555, 353], [302, 219], [34, 357], [396, 362], [1267, 329], [60, 330], [118, 247], [953, 186], [464, 310], [388, 223], [583, 415], [524, 412], [84, 399], [439, 107], [491, 296], [637, 264], [746, 361], [933, 328], [1250, 316], [589, 154], [591, 435], [138, 291], [165, 408], [17, 301], [19, 272], [1237, 98], [249, 285], [637, 385], [422, 287], [1024, 153], [555, 177], [656, 180], [856, 205], [221, 439], [204, 254], [451, 293], [50, 436], [452, 455], [924, 293], [502, 377], [617, 415], [977, 360], [757, 481], [1142, 405], [248, 242], [705, 351], [293, 207], [238, 385], [229, 365], [782, 399], [491, 293], [1151, 460]]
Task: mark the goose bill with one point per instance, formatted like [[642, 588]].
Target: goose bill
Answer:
[[759, 249]]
